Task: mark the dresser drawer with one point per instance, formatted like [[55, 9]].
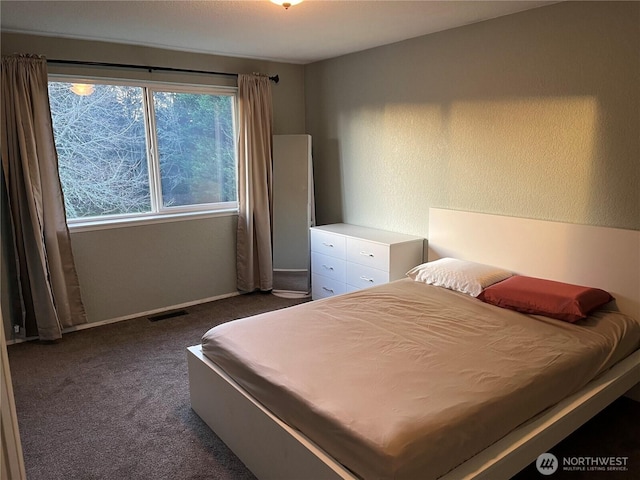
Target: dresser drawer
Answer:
[[345, 258], [322, 287], [327, 266], [328, 243], [352, 288], [371, 254], [362, 276]]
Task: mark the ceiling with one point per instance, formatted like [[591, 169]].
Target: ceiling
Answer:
[[311, 31]]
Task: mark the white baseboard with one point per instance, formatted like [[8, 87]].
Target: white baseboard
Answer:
[[85, 326]]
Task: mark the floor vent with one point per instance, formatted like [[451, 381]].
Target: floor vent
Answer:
[[164, 316]]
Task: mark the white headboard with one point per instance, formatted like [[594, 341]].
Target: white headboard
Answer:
[[607, 258]]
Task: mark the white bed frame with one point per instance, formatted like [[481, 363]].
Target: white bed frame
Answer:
[[596, 256]]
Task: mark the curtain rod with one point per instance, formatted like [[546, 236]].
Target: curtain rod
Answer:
[[274, 79]]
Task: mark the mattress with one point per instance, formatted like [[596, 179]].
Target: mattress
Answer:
[[408, 380]]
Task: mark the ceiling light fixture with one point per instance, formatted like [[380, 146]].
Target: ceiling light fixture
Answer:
[[286, 4], [82, 89]]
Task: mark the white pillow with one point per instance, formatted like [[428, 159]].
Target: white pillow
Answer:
[[460, 275]]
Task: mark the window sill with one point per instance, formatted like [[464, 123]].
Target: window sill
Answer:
[[91, 225]]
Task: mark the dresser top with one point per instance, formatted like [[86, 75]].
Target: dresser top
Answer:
[[366, 233]]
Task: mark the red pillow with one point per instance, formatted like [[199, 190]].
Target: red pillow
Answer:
[[558, 300]]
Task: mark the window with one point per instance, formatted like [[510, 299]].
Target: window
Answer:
[[128, 151]]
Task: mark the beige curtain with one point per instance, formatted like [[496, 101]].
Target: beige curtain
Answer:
[[254, 251], [47, 281]]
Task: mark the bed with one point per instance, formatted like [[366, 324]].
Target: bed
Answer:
[[339, 433]]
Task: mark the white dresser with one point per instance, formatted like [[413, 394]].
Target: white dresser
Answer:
[[348, 257]]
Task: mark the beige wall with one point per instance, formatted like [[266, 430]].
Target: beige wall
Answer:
[[534, 114], [125, 271]]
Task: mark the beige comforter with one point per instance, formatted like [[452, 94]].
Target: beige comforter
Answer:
[[407, 380]]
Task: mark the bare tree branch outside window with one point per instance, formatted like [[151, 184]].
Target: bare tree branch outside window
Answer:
[[103, 157]]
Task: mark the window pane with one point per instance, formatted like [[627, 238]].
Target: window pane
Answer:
[[196, 148], [102, 154]]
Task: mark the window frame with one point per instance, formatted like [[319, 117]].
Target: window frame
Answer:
[[159, 213]]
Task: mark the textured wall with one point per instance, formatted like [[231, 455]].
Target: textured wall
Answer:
[[534, 114]]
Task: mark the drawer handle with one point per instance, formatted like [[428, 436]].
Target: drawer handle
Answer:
[[366, 254], [327, 268], [327, 290], [366, 279], [330, 245]]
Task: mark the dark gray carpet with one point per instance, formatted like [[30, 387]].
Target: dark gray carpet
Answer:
[[112, 402]]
